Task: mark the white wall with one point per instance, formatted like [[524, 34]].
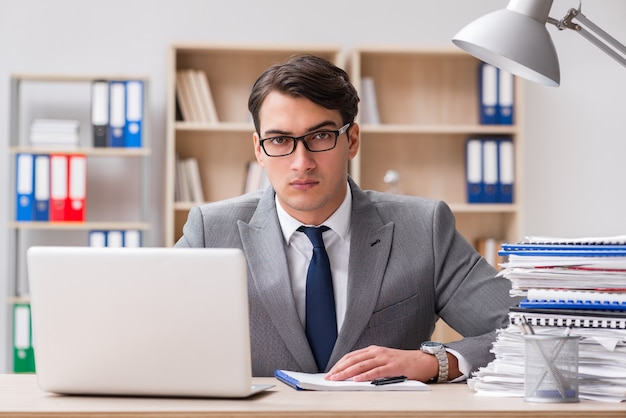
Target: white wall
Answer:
[[575, 144]]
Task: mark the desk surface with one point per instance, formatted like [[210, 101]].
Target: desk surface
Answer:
[[20, 396]]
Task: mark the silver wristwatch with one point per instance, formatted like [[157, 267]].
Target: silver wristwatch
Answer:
[[439, 351]]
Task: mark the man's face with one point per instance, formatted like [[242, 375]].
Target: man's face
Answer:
[[310, 185]]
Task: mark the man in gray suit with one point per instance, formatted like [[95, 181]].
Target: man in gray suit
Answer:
[[397, 262]]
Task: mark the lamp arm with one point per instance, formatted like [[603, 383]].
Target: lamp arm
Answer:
[[618, 52]]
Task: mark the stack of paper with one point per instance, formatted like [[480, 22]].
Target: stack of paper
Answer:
[[579, 283], [55, 132]]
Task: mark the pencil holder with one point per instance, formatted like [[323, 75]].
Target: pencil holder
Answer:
[[551, 368]]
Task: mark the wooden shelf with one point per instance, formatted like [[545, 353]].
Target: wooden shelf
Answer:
[[223, 149], [428, 103]]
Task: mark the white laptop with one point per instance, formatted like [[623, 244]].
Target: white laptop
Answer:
[[141, 321]]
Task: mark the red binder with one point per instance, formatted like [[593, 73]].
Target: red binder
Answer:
[[77, 188], [58, 187]]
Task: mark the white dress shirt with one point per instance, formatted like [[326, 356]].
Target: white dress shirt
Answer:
[[337, 243], [300, 251]]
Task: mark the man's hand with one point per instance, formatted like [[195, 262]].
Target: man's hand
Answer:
[[373, 362]]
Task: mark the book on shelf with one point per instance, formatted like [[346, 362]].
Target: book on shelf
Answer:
[[496, 94], [51, 187], [134, 114], [194, 96], [115, 238], [99, 112], [256, 178], [184, 98], [23, 352], [77, 188], [206, 97], [117, 113], [490, 169], [188, 181], [192, 170], [488, 248], [24, 187], [42, 188], [369, 103]]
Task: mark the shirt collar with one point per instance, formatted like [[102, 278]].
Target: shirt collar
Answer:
[[339, 221]]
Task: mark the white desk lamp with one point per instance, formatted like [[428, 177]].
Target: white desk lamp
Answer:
[[516, 39]]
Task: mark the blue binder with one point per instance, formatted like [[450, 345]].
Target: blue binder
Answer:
[[117, 113], [488, 88], [25, 185], [506, 170], [474, 170], [42, 188], [506, 97], [490, 171], [134, 113]]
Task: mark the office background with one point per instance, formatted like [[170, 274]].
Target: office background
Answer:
[[575, 140]]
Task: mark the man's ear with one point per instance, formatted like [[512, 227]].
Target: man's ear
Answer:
[[258, 152], [354, 140]]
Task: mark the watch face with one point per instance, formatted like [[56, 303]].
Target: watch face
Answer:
[[431, 344]]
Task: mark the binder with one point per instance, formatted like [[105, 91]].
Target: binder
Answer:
[[77, 177], [506, 170], [23, 353], [100, 112], [474, 170], [316, 381], [25, 184], [117, 113], [490, 171], [97, 238], [573, 304], [58, 187], [488, 87], [42, 188], [506, 96], [132, 238], [115, 239], [134, 113]]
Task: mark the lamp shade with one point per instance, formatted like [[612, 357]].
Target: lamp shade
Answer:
[[516, 40]]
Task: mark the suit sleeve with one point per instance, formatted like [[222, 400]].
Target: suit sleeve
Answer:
[[193, 230], [470, 298]]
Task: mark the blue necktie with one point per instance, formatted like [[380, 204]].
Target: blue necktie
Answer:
[[321, 319]]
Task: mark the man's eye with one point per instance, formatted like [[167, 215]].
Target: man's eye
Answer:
[[280, 140], [322, 135]]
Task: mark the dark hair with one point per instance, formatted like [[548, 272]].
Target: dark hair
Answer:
[[310, 77]]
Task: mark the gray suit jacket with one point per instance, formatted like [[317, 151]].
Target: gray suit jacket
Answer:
[[408, 266]]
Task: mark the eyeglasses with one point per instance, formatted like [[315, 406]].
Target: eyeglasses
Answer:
[[320, 141]]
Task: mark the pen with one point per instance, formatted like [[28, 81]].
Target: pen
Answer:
[[388, 380]]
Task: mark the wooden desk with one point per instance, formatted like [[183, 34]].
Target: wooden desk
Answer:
[[20, 397]]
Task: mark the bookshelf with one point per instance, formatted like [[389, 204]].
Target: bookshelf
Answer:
[[113, 199], [428, 105], [224, 148], [428, 102]]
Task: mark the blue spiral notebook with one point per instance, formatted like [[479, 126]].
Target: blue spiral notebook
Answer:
[[316, 381]]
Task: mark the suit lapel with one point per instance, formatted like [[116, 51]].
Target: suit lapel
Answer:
[[370, 247], [263, 245]]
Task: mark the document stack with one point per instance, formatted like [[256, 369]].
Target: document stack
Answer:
[[54, 132], [575, 286]]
